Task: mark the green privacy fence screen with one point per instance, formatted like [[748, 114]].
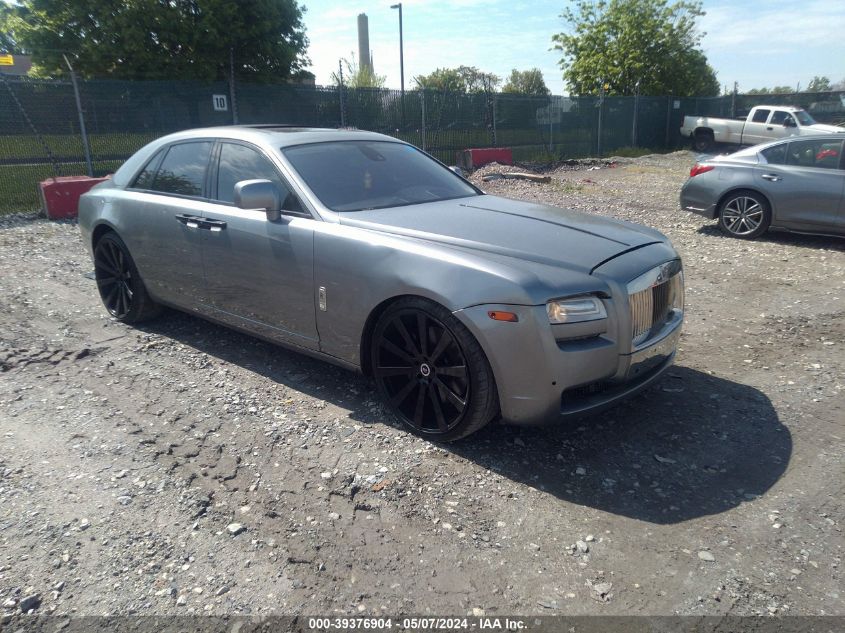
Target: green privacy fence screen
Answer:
[[40, 130]]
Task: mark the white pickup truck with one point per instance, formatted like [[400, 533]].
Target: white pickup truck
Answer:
[[764, 123]]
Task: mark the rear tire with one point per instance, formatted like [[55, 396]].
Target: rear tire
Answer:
[[744, 214], [431, 372], [119, 283], [703, 141]]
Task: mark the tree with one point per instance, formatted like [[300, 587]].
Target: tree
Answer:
[[10, 22], [777, 90], [356, 76], [527, 82], [819, 84], [622, 43], [443, 80], [178, 39], [460, 79], [479, 81]]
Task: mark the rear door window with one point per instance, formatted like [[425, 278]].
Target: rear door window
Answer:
[[183, 169], [775, 155], [147, 175], [824, 154], [760, 116]]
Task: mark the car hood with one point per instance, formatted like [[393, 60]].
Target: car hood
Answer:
[[822, 128], [513, 228]]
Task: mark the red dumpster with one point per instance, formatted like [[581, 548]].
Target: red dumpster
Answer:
[[474, 158], [60, 196]]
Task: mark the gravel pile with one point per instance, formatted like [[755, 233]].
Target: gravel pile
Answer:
[[183, 468]]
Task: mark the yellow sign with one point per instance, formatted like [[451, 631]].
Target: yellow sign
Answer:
[[7, 60]]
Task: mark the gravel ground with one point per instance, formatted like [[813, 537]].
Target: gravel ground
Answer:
[[183, 468]]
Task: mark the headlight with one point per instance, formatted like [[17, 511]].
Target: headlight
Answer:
[[678, 291], [576, 309]]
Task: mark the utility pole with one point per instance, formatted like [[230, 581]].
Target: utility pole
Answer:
[[733, 100], [601, 107], [636, 114], [401, 61], [232, 86], [422, 99], [340, 93], [82, 130]]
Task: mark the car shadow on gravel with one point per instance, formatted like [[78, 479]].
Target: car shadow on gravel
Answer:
[[693, 445], [799, 240]]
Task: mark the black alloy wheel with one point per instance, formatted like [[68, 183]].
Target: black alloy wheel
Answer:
[[120, 286], [431, 372]]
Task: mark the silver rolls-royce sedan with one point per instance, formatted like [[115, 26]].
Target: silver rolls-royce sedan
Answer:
[[364, 251]]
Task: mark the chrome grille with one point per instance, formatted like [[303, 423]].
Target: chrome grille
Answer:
[[652, 305]]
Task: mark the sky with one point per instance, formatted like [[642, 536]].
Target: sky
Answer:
[[755, 43]]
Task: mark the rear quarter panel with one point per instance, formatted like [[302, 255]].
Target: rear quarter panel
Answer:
[[724, 130], [702, 193]]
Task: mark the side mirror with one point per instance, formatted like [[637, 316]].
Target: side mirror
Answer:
[[259, 194], [789, 123], [458, 171]]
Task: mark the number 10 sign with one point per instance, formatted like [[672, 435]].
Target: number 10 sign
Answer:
[[220, 103]]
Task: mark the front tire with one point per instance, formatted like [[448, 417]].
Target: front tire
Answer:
[[744, 214], [119, 283], [431, 372]]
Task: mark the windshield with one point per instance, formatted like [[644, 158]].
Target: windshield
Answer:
[[359, 175], [803, 117]]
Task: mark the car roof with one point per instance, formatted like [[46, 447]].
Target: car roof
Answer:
[[278, 135], [832, 137], [753, 150]]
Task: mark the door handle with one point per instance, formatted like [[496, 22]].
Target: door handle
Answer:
[[214, 225], [771, 177], [196, 222], [191, 221], [770, 128]]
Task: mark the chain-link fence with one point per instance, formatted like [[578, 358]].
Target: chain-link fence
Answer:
[[40, 125]]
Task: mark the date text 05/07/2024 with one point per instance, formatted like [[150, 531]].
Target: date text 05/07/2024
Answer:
[[416, 623]]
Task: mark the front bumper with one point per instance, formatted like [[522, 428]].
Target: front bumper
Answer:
[[542, 379], [547, 371], [645, 366]]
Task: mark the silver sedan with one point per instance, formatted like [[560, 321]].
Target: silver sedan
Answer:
[[366, 252], [790, 185]]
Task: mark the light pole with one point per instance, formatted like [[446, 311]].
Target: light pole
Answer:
[[401, 61]]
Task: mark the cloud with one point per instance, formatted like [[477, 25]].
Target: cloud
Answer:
[[766, 44], [756, 27], [340, 13]]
